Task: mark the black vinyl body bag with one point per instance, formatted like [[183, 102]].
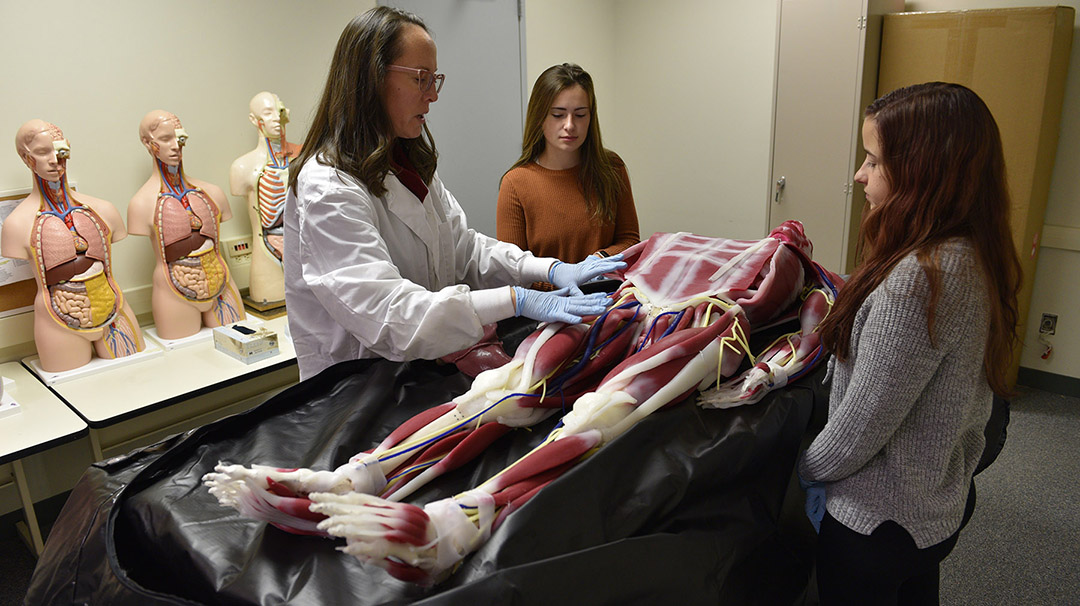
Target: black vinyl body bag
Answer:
[[665, 513]]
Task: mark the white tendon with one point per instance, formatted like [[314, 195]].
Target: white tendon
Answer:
[[748, 389], [598, 410], [248, 495], [246, 489], [458, 534], [497, 384], [300, 481], [364, 474], [363, 520]]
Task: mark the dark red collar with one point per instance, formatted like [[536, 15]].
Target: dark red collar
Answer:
[[406, 173]]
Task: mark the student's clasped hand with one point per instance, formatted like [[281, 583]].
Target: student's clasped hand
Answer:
[[558, 306], [573, 275], [815, 501]]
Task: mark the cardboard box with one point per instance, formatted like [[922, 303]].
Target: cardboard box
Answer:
[[1016, 59], [245, 343]]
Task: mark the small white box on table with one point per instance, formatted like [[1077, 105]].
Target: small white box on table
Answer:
[[245, 343]]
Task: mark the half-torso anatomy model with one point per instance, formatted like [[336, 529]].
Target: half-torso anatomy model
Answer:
[[192, 287], [262, 176], [78, 310]]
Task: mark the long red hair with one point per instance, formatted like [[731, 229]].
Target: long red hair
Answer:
[[942, 157]]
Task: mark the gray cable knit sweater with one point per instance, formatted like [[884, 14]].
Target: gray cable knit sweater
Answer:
[[906, 420]]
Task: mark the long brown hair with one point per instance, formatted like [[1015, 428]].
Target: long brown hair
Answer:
[[599, 175], [942, 157], [351, 130]]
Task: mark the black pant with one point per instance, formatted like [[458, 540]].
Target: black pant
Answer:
[[883, 568]]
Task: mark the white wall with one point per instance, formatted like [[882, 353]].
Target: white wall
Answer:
[[575, 31], [1056, 289], [685, 91], [94, 69], [691, 114]]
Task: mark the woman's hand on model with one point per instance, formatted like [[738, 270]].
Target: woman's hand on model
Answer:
[[572, 275], [558, 306]]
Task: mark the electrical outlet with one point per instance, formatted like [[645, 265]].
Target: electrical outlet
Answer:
[[238, 250], [1048, 324]]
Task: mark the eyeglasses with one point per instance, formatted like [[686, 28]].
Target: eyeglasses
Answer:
[[424, 79]]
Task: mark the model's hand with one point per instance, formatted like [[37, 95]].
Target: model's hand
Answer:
[[557, 306], [573, 275]]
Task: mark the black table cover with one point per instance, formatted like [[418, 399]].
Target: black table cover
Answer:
[[663, 514]]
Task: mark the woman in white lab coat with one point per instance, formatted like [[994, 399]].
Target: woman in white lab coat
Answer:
[[379, 259]]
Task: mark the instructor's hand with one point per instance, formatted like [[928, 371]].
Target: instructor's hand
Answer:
[[573, 275], [556, 306]]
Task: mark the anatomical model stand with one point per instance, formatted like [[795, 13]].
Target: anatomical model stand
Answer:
[[78, 310], [262, 176], [192, 287]]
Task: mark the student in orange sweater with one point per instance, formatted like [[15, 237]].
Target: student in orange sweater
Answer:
[[566, 196]]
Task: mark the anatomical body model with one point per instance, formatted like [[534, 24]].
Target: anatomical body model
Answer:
[[192, 286], [79, 310], [261, 176], [680, 322]]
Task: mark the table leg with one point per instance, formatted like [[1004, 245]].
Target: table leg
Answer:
[[95, 445], [36, 543]]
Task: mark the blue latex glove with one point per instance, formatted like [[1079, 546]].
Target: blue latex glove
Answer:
[[815, 502], [557, 306], [573, 275]]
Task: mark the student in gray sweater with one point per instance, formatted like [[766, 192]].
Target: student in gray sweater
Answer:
[[922, 336]]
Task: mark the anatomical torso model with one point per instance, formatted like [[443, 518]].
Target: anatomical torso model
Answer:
[[192, 287], [261, 176], [78, 310]]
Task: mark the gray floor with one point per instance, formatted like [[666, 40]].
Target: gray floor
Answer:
[[1021, 547]]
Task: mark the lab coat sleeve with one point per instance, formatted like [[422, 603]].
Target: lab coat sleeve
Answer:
[[347, 265], [483, 261]]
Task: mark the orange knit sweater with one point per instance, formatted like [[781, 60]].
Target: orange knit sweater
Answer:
[[544, 211]]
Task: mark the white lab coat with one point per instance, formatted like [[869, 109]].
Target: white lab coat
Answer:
[[387, 276]]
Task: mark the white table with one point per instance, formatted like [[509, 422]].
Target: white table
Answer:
[[125, 392], [43, 421]]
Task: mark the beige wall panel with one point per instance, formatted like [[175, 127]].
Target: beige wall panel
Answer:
[[95, 68]]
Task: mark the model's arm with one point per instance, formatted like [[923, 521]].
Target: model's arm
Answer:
[[108, 213], [217, 195], [15, 235], [510, 216], [894, 360], [140, 211], [242, 175], [347, 265], [626, 221]]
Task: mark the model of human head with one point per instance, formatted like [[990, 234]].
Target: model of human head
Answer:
[[164, 137], [43, 149], [268, 114]]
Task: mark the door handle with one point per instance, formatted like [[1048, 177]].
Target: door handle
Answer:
[[780, 183]]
